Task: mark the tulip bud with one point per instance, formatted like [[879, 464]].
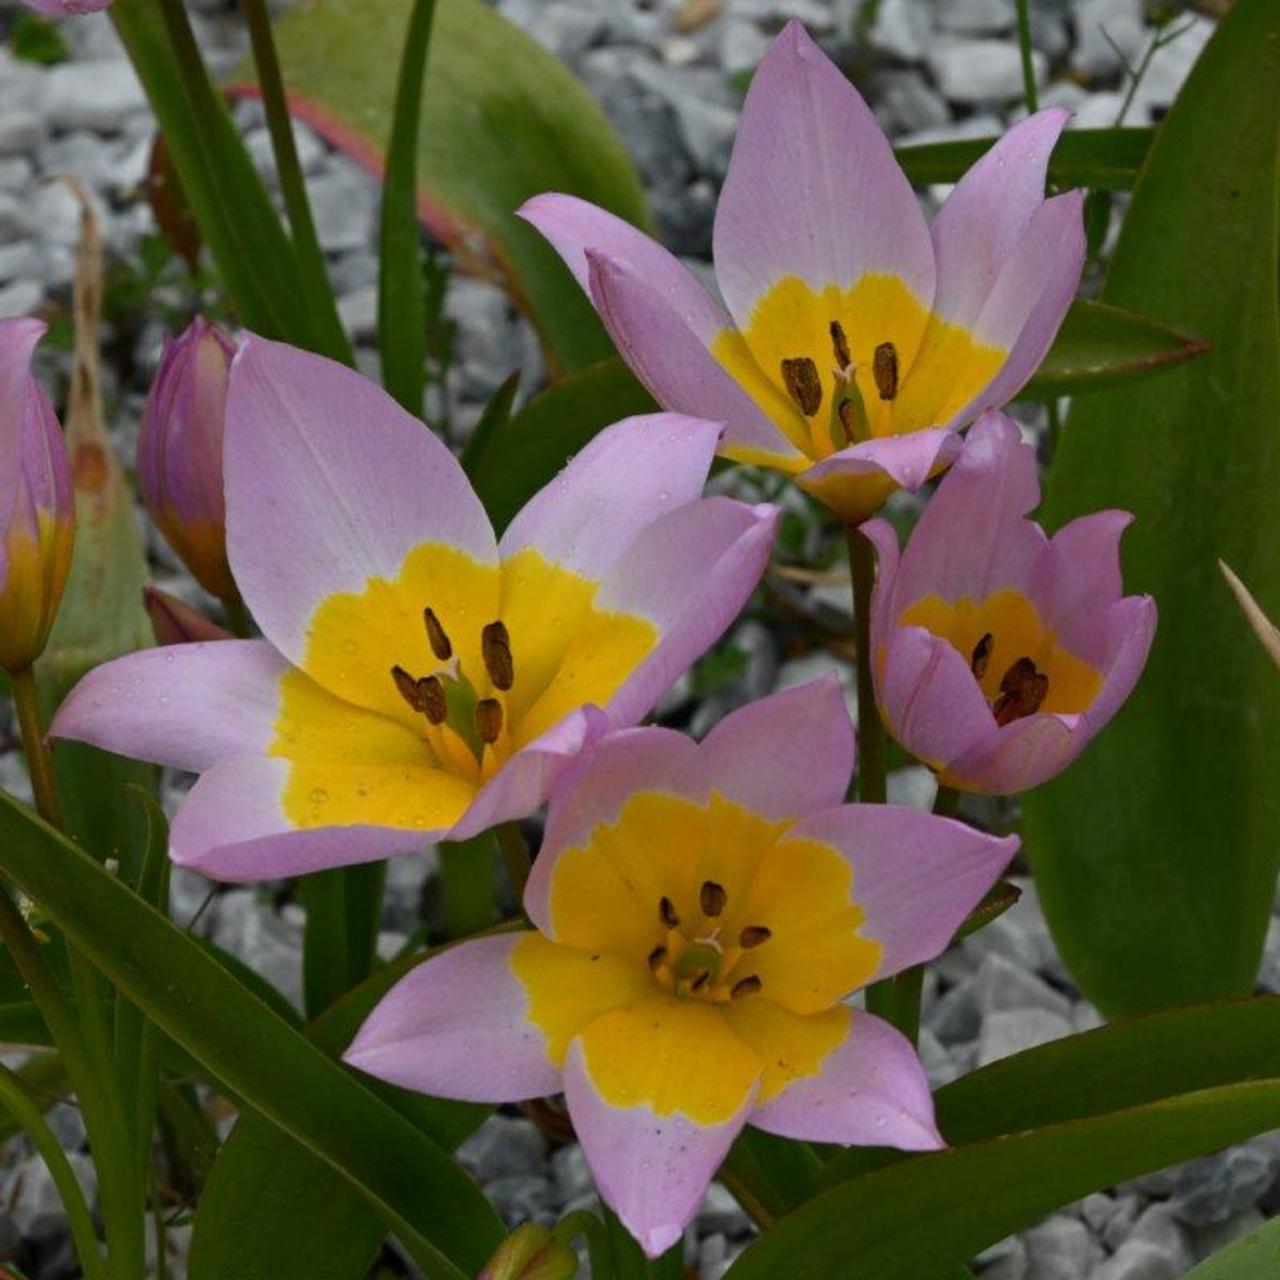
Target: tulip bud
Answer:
[[37, 509], [176, 622], [531, 1252], [180, 452]]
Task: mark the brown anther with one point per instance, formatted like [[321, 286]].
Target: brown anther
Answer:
[[489, 719], [884, 369], [407, 687], [840, 345], [700, 981], [437, 638], [712, 898], [800, 377], [1022, 690], [434, 706], [657, 956], [754, 935], [746, 986], [495, 649], [982, 655], [667, 913]]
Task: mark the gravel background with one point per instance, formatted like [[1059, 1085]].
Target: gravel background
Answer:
[[670, 75]]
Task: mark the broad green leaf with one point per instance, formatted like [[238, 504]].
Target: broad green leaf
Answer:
[[1130, 1063], [922, 1215], [520, 454], [308, 1222], [250, 247], [423, 1196], [1253, 1258], [1156, 853], [502, 120], [1106, 159], [1101, 346]]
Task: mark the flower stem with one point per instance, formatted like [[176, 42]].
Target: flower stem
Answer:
[[946, 802], [515, 854], [17, 1101], [871, 740], [293, 187], [39, 765], [1029, 91]]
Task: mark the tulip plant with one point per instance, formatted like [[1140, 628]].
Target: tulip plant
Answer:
[[704, 956]]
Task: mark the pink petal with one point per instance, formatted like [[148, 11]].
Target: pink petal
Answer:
[[1030, 297], [690, 573], [856, 481], [666, 354], [972, 539], [1020, 755], [330, 483], [813, 189], [577, 229], [631, 473], [19, 338], [930, 699], [522, 785], [988, 212], [871, 1092], [186, 705], [915, 875], [232, 826], [624, 763], [457, 1026], [651, 1170], [785, 755], [882, 535], [1132, 625]]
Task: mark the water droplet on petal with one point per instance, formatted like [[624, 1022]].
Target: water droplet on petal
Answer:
[[318, 795]]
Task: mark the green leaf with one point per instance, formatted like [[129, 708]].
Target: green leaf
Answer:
[[503, 120], [1107, 159], [511, 462], [309, 1224], [1252, 1258], [1156, 854], [1130, 1063], [422, 1195], [36, 39], [922, 1215], [1101, 346], [250, 247], [402, 303]]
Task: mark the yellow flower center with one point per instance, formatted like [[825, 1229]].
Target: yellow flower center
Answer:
[[414, 691], [1020, 664], [836, 367], [699, 949]]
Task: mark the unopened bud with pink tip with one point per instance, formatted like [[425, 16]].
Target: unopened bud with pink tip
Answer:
[[180, 452], [37, 509]]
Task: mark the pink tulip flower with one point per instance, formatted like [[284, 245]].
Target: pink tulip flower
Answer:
[[37, 506], [701, 913], [419, 678], [999, 652], [853, 339]]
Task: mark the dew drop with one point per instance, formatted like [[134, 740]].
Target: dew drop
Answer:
[[350, 645], [318, 795]]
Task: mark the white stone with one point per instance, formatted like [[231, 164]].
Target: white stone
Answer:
[[358, 312], [310, 149], [20, 298], [18, 258], [97, 95], [1158, 1226], [342, 202], [20, 131], [1136, 1260], [976, 17], [902, 29], [1010, 1031], [1058, 1249], [909, 103], [742, 45], [1096, 20], [981, 71], [565, 28]]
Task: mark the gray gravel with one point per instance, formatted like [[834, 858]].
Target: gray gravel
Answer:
[[672, 86]]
